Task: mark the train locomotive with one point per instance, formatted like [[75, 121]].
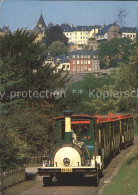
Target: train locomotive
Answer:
[[86, 144]]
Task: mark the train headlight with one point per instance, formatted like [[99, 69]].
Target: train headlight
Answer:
[[66, 162], [45, 163]]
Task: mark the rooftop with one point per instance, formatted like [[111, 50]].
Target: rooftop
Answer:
[[105, 29], [129, 30]]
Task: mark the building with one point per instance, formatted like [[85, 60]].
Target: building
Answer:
[[79, 35], [1, 32], [129, 32], [40, 29], [62, 61], [108, 32], [84, 61], [6, 29]]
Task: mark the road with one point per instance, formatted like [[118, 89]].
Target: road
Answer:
[[83, 188]]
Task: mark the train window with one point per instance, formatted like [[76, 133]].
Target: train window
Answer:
[[82, 131]]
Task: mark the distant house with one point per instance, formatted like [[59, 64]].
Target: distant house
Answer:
[[62, 61], [108, 32], [79, 35], [129, 32], [84, 61]]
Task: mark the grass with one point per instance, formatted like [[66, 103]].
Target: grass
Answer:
[[126, 181]]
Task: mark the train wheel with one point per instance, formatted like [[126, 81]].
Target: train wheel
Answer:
[[47, 181]]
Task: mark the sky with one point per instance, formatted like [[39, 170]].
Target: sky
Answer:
[[25, 14]]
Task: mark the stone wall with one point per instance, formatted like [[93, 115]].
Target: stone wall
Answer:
[[12, 177]]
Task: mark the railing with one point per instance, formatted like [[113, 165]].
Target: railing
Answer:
[[12, 177], [35, 160]]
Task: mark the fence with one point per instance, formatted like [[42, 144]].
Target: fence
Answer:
[[12, 177], [35, 160]]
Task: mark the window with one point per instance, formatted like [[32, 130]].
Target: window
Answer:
[[82, 68], [63, 65], [75, 37], [85, 61], [74, 68], [81, 61], [81, 56], [85, 56], [81, 37], [85, 68], [73, 56], [70, 34], [73, 61], [78, 62], [82, 131], [77, 56], [78, 68], [88, 56], [89, 62], [67, 66]]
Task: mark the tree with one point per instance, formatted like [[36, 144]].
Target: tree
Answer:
[[25, 122], [53, 34], [22, 70], [116, 50], [57, 48]]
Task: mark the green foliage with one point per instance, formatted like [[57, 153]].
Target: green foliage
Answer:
[[57, 48], [85, 91], [25, 125], [53, 34], [125, 182], [114, 93], [115, 51]]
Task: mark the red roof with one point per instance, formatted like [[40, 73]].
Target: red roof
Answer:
[[99, 118]]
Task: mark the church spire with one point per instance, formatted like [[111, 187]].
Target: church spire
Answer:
[[41, 22]]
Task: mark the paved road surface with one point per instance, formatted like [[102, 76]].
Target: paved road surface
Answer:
[[83, 188]]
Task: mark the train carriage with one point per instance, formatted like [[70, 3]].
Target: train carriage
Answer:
[[85, 144]]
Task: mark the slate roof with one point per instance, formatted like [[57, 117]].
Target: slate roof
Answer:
[[37, 29], [105, 29], [50, 25], [83, 52], [68, 28], [41, 21], [6, 29], [63, 58], [1, 30], [128, 30]]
